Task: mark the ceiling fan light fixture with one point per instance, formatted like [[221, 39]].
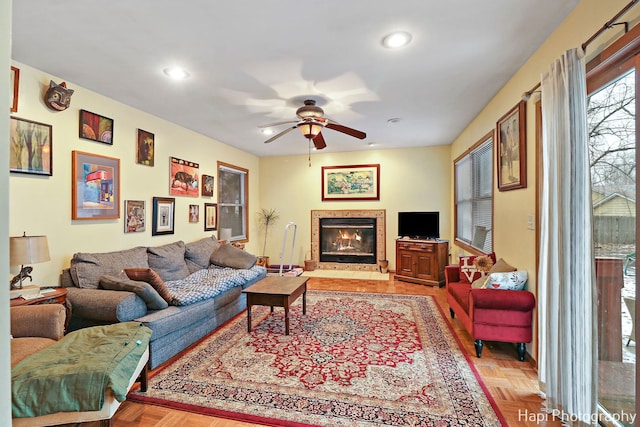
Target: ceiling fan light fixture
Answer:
[[267, 131], [396, 40], [310, 129]]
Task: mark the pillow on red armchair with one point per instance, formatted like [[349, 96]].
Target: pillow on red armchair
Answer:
[[475, 266]]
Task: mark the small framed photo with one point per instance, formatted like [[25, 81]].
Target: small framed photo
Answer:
[[30, 147], [511, 152], [95, 190], [164, 209], [135, 216], [146, 142], [14, 81], [210, 216], [353, 182], [96, 127], [194, 213], [207, 185]]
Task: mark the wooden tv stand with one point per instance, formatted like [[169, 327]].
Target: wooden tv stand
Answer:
[[421, 261]]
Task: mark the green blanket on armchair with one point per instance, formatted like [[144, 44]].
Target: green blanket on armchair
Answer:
[[73, 374]]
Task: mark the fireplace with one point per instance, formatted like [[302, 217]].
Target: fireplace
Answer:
[[348, 239]]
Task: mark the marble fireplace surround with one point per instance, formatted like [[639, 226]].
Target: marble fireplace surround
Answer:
[[379, 214]]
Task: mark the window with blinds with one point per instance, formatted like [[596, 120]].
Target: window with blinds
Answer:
[[474, 196], [233, 185]]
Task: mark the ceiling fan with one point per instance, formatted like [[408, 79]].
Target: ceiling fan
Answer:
[[311, 121]]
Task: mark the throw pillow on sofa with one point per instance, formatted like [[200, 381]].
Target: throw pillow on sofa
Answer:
[[144, 290], [501, 266], [476, 266], [152, 278], [514, 280], [198, 254], [229, 256], [168, 261], [87, 268]]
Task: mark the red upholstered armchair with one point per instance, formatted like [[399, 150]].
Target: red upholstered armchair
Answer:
[[490, 314]]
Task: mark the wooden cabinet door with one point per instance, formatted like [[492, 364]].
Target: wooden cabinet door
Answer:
[[425, 267], [405, 262]]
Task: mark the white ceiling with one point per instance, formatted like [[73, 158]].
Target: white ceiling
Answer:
[[253, 62]]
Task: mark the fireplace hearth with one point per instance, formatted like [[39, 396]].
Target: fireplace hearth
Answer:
[[348, 239]]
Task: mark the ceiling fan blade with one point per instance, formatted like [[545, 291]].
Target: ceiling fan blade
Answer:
[[268, 125], [318, 141], [278, 135], [349, 131]]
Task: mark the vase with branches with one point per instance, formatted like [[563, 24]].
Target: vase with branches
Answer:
[[266, 218]]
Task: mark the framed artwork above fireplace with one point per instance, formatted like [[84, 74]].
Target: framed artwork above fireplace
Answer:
[[353, 182]]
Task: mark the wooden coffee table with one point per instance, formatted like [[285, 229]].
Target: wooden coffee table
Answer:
[[277, 291]]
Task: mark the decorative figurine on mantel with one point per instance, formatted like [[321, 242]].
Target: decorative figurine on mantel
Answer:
[[58, 97]]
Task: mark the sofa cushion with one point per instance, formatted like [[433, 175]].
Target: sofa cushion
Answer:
[[144, 290], [513, 280], [460, 292], [88, 268], [168, 261], [198, 254], [501, 266], [475, 266], [152, 278], [229, 256]]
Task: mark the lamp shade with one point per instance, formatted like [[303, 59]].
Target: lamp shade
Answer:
[[28, 250], [225, 234], [310, 129]]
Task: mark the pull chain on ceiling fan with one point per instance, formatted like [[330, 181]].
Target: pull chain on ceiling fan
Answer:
[[311, 122]]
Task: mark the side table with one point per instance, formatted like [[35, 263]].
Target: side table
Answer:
[[54, 296]]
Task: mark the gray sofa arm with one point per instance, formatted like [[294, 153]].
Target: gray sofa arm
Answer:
[[104, 306]]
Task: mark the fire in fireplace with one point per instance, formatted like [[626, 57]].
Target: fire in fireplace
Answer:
[[348, 240]]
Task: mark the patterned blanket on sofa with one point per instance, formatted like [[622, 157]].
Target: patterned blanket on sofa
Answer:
[[207, 283]]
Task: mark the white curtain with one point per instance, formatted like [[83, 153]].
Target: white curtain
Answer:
[[567, 313]]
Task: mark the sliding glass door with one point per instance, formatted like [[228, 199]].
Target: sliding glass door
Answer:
[[612, 146]]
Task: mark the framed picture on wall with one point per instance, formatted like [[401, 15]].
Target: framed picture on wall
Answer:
[[30, 147], [145, 146], [194, 213], [135, 216], [184, 178], [511, 149], [207, 185], [14, 81], [96, 127], [95, 189], [210, 216], [354, 182], [164, 209]]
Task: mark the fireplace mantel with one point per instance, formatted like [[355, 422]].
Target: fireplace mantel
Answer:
[[379, 214]]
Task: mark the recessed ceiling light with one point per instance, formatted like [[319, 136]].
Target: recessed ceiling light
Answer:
[[267, 131], [176, 73], [396, 40], [394, 120]]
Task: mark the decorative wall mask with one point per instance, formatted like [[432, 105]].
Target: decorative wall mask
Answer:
[[58, 97]]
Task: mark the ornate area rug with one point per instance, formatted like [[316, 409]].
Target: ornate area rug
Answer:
[[354, 360]]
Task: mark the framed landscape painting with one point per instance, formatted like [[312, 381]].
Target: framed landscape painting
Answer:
[[95, 190], [30, 147], [511, 152], [354, 182]]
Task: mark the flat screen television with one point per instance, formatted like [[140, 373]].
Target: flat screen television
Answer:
[[419, 225]]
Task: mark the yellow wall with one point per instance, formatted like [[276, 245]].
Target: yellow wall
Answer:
[[410, 180], [42, 205]]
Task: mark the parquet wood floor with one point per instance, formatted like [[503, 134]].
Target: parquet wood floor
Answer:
[[511, 383]]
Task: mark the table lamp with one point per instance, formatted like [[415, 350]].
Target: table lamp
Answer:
[[225, 235], [26, 250]]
